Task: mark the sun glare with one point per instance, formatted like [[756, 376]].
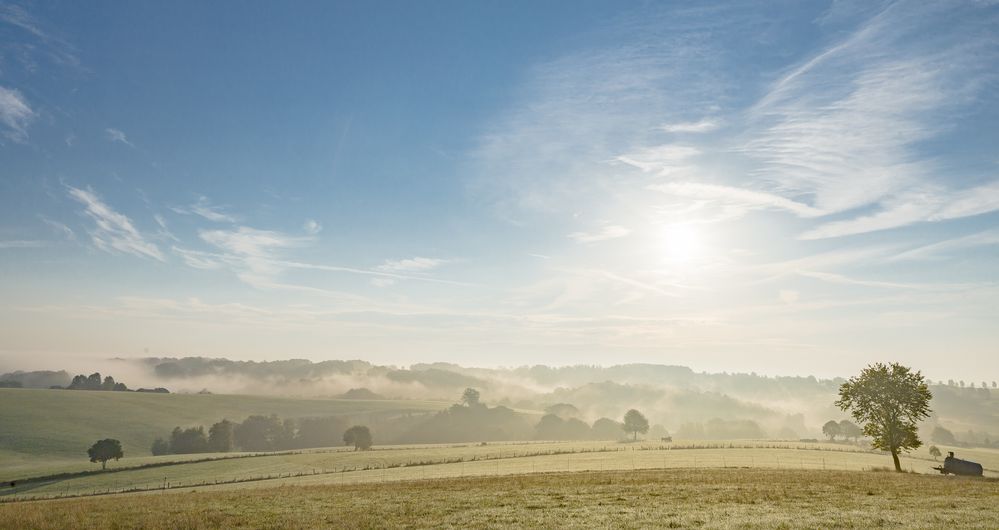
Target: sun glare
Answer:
[[681, 243]]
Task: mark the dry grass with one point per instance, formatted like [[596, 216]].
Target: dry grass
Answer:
[[421, 462], [679, 498]]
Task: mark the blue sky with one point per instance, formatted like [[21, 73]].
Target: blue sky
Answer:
[[771, 187]]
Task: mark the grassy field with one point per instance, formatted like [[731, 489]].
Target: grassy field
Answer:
[[50, 429], [384, 464], [672, 498]]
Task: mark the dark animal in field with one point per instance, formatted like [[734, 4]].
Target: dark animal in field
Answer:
[[668, 439], [959, 467]]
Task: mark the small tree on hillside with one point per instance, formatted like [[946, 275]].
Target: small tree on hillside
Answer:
[[934, 452], [470, 397], [635, 422], [888, 400], [104, 450], [831, 429], [359, 436]]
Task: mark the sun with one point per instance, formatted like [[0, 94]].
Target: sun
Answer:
[[681, 243]]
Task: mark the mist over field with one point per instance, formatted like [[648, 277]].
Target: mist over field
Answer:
[[686, 403]]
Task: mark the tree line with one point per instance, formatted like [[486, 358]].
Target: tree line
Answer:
[[845, 428], [263, 433], [108, 384]]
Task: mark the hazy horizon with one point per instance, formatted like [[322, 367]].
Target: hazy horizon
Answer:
[[783, 189]]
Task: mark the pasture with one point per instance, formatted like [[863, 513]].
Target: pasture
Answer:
[[643, 498], [340, 466], [48, 431]]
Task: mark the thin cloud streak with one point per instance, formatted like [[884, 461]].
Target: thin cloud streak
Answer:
[[603, 234], [701, 126], [117, 136], [22, 243], [203, 207], [941, 249], [15, 114], [737, 197], [113, 231], [415, 264]]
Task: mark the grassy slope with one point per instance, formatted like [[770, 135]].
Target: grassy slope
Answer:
[[688, 498], [420, 462], [47, 425]]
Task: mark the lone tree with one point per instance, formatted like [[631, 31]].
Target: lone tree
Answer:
[[635, 422], [934, 452], [470, 397], [888, 400], [831, 429], [359, 436], [104, 450]]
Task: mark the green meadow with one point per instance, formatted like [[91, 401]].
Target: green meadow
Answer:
[[48, 431]]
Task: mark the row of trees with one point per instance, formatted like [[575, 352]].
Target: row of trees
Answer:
[[951, 382], [845, 428], [262, 433], [94, 382], [554, 427]]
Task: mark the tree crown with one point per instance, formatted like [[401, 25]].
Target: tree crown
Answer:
[[635, 422], [888, 400]]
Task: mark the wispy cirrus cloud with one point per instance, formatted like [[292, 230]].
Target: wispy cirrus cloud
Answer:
[[203, 207], [842, 279], [15, 114], [35, 42], [701, 126], [737, 197], [251, 252], [60, 228], [22, 243], [113, 231], [312, 227], [931, 203], [846, 126], [259, 257], [117, 136], [659, 158], [602, 234], [577, 113], [941, 249], [414, 264]]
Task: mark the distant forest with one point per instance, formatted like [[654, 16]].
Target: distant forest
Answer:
[[675, 398]]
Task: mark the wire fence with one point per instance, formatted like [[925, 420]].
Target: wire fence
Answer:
[[605, 458]]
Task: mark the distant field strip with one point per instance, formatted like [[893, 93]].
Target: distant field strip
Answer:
[[435, 462]]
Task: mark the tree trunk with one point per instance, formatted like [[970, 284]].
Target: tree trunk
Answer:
[[104, 465], [636, 436], [894, 457]]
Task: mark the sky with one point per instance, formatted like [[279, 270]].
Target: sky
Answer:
[[777, 187]]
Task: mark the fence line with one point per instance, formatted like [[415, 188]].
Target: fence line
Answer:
[[358, 475]]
